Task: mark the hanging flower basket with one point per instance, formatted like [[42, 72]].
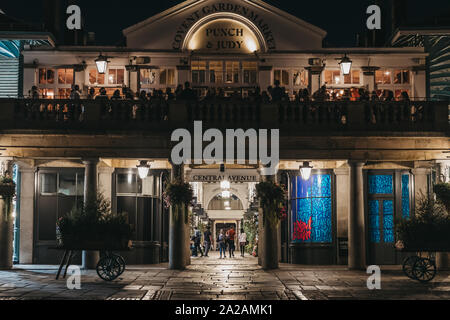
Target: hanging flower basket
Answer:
[[7, 187], [272, 198], [179, 196]]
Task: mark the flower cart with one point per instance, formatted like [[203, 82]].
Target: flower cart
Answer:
[[421, 264], [94, 228]]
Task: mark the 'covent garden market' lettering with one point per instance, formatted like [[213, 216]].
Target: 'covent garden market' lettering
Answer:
[[224, 7]]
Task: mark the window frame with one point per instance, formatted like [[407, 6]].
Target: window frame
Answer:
[[55, 86]]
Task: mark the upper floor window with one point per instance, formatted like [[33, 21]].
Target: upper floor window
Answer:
[[250, 71], [65, 76], [148, 76], [334, 77], [114, 76], [46, 76], [167, 77], [300, 78], [282, 76], [401, 77], [55, 83], [198, 72]]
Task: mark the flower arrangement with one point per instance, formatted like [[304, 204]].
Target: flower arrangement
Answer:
[[179, 195], [272, 199], [94, 223], [7, 187]]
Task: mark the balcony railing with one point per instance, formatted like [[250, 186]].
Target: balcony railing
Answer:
[[290, 117]]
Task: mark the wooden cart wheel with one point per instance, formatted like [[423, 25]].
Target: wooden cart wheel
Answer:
[[424, 270], [121, 262], [408, 266], [108, 268]]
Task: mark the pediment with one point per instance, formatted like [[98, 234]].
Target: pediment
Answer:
[[225, 25]]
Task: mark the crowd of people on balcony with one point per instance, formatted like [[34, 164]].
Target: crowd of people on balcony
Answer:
[[275, 94]]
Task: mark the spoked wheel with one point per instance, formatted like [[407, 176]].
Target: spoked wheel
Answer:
[[121, 262], [424, 270], [109, 268], [408, 266]]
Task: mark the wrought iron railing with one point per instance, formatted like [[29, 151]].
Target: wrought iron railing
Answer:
[[160, 115]]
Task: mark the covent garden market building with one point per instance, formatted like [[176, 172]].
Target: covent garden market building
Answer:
[[363, 166]]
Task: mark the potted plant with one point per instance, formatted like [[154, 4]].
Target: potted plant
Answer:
[[428, 230], [272, 198], [93, 225], [179, 195], [7, 187], [442, 191]]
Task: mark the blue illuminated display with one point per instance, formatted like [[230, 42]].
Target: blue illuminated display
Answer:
[[381, 184]]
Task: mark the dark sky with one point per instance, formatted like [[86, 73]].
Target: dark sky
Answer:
[[341, 19]]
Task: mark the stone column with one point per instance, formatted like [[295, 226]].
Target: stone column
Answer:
[[269, 246], [105, 182], [421, 182], [6, 222], [90, 258], [27, 182], [342, 206], [442, 258], [179, 256], [356, 226]]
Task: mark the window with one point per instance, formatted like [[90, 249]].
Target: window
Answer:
[[167, 77], [312, 209], [352, 78], [65, 76], [401, 77], [232, 71], [47, 93], [127, 183], [48, 183], [148, 76], [282, 76], [116, 76], [300, 78], [406, 201], [46, 76], [198, 72], [64, 93], [216, 72], [332, 77], [383, 77], [96, 78], [250, 71]]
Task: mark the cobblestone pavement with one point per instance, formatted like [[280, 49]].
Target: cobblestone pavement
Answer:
[[230, 279]]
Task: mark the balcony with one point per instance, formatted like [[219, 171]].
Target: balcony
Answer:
[[293, 119]]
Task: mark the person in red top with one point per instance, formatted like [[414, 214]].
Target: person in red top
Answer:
[[231, 234]]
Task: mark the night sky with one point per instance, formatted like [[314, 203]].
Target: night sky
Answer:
[[341, 19]]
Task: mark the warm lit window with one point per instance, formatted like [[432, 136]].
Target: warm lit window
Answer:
[[250, 71], [198, 72], [398, 93], [65, 76], [383, 76], [116, 76], [352, 78], [47, 93], [96, 78], [46, 76], [148, 76], [64, 93], [332, 77], [232, 72], [401, 77], [282, 76], [167, 77], [216, 72], [300, 78]]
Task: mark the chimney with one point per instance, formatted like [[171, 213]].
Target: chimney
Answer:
[[53, 18], [399, 13]]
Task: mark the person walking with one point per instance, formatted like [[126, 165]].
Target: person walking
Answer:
[[231, 234], [197, 238], [207, 237], [222, 244], [242, 242]]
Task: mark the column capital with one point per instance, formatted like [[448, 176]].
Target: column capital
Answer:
[[90, 160], [421, 171], [342, 171], [356, 163]]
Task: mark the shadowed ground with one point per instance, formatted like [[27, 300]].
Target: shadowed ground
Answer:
[[230, 279]]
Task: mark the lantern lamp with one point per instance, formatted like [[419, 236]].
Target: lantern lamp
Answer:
[[306, 170], [143, 169], [346, 65], [102, 64]]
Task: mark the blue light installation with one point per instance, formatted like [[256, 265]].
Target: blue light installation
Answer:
[[406, 209], [381, 184], [374, 221], [312, 209], [388, 221]]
